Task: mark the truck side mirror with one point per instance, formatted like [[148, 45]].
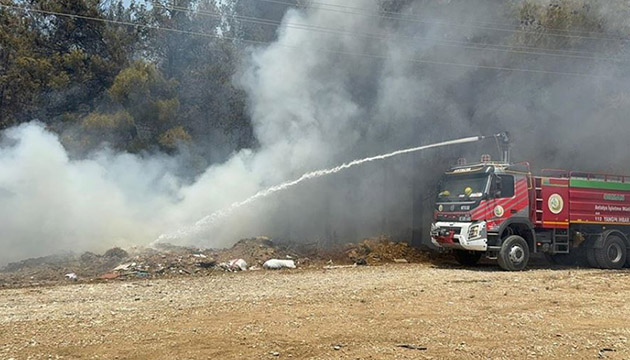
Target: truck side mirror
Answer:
[[498, 188]]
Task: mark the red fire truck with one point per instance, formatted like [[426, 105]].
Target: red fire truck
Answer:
[[502, 211]]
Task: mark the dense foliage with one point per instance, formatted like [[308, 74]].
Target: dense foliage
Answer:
[[134, 87]]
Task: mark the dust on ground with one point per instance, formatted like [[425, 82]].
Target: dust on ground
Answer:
[[390, 311]]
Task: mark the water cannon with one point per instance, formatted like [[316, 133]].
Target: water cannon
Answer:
[[504, 142], [504, 137]]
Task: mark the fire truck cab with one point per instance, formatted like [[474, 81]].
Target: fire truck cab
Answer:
[[481, 206]]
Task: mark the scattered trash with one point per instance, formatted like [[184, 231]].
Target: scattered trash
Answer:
[[140, 273], [275, 264], [124, 267], [72, 276], [109, 276], [234, 265], [207, 264], [275, 353], [164, 260], [337, 347], [401, 261], [411, 346], [601, 353]]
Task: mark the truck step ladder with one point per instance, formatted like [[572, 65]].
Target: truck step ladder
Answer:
[[539, 201], [560, 241]]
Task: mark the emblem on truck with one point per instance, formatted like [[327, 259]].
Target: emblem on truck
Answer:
[[499, 211], [555, 203]]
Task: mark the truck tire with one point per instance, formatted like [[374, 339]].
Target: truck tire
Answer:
[[467, 258], [613, 254], [514, 253], [590, 252], [590, 257]]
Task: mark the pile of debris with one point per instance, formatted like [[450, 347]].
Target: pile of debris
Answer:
[[257, 250], [381, 249], [47, 269], [167, 260]]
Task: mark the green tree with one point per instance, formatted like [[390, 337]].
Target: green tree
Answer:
[[24, 72], [149, 98], [52, 65], [173, 137], [211, 106]]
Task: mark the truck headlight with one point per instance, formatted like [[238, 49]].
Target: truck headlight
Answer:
[[476, 231]]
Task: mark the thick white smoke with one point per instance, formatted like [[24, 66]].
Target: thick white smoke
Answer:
[[49, 202]]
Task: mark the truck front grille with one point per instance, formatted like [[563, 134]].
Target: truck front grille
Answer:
[[455, 230]]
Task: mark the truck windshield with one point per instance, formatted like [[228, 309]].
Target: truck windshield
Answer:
[[462, 187]]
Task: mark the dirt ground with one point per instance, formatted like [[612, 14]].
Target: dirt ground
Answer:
[[392, 311]]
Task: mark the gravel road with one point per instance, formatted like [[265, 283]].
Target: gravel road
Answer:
[[397, 311]]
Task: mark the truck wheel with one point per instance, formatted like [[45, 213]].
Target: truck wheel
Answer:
[[613, 254], [590, 252], [514, 253], [590, 257], [467, 258]]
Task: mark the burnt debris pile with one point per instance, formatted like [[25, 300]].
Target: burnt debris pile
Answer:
[[166, 260], [382, 250]]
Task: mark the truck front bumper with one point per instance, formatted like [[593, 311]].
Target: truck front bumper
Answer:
[[471, 236]]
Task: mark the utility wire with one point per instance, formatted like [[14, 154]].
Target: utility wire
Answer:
[[264, 21], [405, 17], [458, 25], [398, 13], [439, 42], [330, 51]]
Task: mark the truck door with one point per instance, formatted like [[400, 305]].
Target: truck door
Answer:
[[507, 198]]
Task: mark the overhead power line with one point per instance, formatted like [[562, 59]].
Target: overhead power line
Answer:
[[439, 23], [485, 23], [439, 42], [330, 51]]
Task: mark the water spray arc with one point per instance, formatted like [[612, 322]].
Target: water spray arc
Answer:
[[207, 221]]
